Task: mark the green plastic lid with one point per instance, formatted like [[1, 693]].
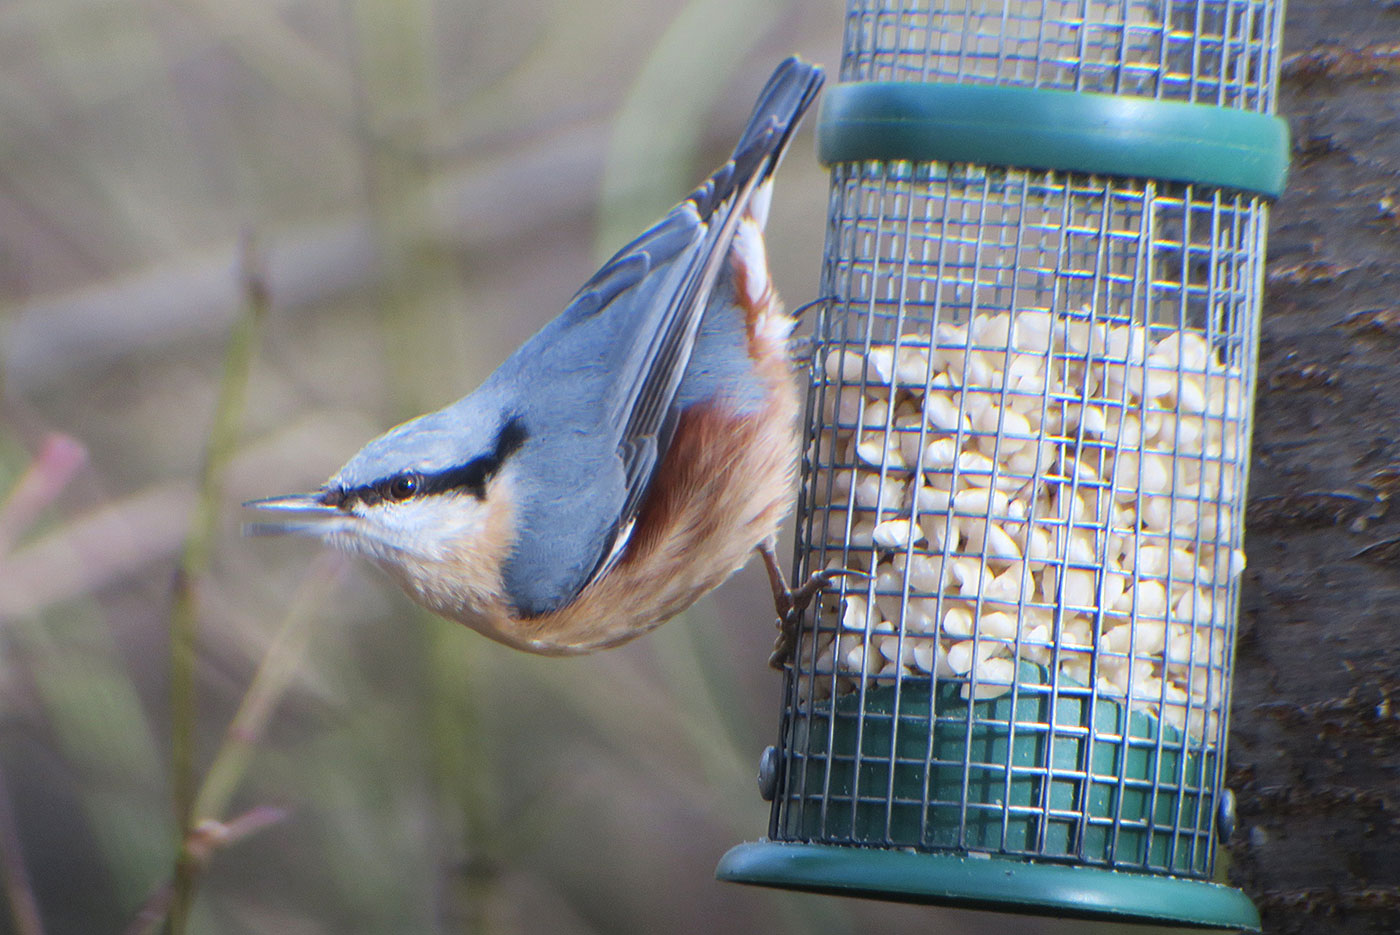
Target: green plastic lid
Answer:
[[1070, 131]]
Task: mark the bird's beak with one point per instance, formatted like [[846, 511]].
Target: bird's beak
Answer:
[[294, 503], [314, 516]]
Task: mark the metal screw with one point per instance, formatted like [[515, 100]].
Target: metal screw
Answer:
[[1225, 815], [769, 767]]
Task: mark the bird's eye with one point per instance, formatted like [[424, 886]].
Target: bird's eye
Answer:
[[402, 487]]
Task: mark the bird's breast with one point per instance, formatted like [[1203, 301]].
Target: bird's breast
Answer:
[[725, 485]]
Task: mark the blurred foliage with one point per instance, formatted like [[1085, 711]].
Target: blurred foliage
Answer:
[[418, 186]]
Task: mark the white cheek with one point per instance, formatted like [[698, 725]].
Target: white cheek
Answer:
[[426, 529]]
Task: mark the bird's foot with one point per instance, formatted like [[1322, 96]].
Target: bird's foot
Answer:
[[791, 603]]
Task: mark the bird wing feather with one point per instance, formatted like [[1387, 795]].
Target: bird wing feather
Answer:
[[656, 288]]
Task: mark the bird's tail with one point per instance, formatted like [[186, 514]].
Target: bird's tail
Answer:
[[784, 99], [781, 104], [776, 114]]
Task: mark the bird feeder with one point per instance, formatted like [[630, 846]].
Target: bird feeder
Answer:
[[1027, 429]]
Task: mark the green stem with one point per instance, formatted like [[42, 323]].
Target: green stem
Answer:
[[208, 837], [279, 664], [275, 672], [465, 774], [223, 437]]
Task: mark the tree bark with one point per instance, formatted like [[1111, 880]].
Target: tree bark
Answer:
[[1315, 744]]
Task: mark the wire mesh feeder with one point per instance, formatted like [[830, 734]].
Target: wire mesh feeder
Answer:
[[1028, 425]]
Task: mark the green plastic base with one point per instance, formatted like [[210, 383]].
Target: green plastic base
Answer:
[[882, 770], [990, 883]]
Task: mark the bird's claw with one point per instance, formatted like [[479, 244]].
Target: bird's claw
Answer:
[[793, 603]]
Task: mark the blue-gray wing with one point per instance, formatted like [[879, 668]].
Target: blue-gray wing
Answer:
[[603, 376]]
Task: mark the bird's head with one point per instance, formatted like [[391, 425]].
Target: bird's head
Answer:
[[428, 500]]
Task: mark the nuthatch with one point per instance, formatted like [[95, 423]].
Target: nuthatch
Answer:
[[627, 458]]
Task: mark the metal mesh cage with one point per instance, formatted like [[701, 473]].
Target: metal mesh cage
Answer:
[[1027, 428], [1222, 52]]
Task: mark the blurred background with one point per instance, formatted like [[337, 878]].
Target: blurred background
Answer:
[[237, 240]]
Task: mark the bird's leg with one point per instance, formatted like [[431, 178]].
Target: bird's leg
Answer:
[[790, 603]]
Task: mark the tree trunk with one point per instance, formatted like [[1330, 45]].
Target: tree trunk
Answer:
[[1315, 746]]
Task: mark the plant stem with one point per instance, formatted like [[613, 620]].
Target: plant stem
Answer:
[[223, 436], [203, 841], [59, 458], [279, 664]]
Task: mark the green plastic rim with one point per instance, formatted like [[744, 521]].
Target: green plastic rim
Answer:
[[1070, 131], [990, 883]]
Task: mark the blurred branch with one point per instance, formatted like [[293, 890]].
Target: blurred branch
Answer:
[[394, 101], [91, 551], [184, 614], [467, 776], [207, 833], [659, 126], [279, 664], [59, 458], [198, 847], [54, 337], [269, 47]]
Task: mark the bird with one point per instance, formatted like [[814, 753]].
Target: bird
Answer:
[[625, 460]]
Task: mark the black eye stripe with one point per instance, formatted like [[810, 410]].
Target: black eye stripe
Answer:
[[471, 477]]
